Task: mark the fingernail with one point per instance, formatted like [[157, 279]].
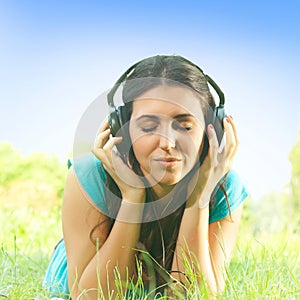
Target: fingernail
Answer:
[[227, 120], [211, 126], [231, 117]]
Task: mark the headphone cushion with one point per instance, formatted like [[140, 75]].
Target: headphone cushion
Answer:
[[114, 122], [215, 117], [122, 115], [118, 123]]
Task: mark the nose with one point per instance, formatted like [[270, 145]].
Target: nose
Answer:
[[167, 140]]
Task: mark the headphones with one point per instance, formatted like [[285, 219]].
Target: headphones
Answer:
[[118, 117]]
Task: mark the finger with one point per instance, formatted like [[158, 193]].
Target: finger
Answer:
[[112, 141], [231, 143], [234, 130], [222, 143], [213, 143], [104, 126], [105, 152], [102, 138]]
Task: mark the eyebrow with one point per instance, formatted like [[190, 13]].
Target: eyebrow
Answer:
[[156, 118]]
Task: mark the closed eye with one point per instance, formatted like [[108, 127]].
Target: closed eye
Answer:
[[149, 129], [184, 126]]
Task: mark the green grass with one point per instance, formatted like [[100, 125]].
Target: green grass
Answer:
[[263, 267]]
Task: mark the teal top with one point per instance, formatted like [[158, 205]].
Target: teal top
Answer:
[[91, 176]]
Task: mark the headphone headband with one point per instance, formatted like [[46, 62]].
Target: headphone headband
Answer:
[[111, 93], [210, 81], [217, 89]]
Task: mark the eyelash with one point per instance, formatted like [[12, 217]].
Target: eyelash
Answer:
[[183, 128], [175, 126], [147, 130]]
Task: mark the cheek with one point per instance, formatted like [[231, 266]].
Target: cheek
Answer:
[[138, 148], [141, 145], [192, 147], [193, 143]]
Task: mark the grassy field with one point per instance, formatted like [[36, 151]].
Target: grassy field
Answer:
[[266, 266]]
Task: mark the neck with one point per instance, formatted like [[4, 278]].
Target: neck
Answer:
[[161, 191]]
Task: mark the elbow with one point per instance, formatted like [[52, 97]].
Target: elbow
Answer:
[[80, 289], [91, 295]]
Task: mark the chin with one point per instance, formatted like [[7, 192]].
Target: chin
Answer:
[[165, 177], [170, 180]]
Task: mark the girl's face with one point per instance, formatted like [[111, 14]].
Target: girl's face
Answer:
[[166, 130]]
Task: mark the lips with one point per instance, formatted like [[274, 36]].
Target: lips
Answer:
[[168, 162], [167, 159]]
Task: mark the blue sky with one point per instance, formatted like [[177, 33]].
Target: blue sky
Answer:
[[56, 57]]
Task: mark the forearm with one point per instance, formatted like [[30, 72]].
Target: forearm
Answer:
[[197, 244], [117, 252], [193, 245]]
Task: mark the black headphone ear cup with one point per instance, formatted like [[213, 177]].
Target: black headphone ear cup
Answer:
[[218, 124], [114, 123], [125, 145], [119, 126], [123, 116], [220, 113], [215, 117]]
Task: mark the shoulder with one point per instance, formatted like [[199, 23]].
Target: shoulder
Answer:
[[236, 193], [91, 176]]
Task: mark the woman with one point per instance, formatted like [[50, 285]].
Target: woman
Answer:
[[157, 200]]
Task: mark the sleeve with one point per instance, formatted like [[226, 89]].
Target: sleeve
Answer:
[[91, 176], [236, 192]]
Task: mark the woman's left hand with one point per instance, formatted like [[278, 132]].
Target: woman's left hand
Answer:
[[217, 163]]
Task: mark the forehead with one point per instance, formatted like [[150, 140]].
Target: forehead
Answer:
[[168, 100]]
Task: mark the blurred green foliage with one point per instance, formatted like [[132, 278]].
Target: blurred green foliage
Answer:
[[294, 203], [31, 189], [37, 167], [279, 210]]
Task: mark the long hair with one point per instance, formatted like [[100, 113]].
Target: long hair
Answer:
[[159, 237]]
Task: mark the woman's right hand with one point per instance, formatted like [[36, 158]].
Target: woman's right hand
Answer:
[[131, 186], [216, 164]]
